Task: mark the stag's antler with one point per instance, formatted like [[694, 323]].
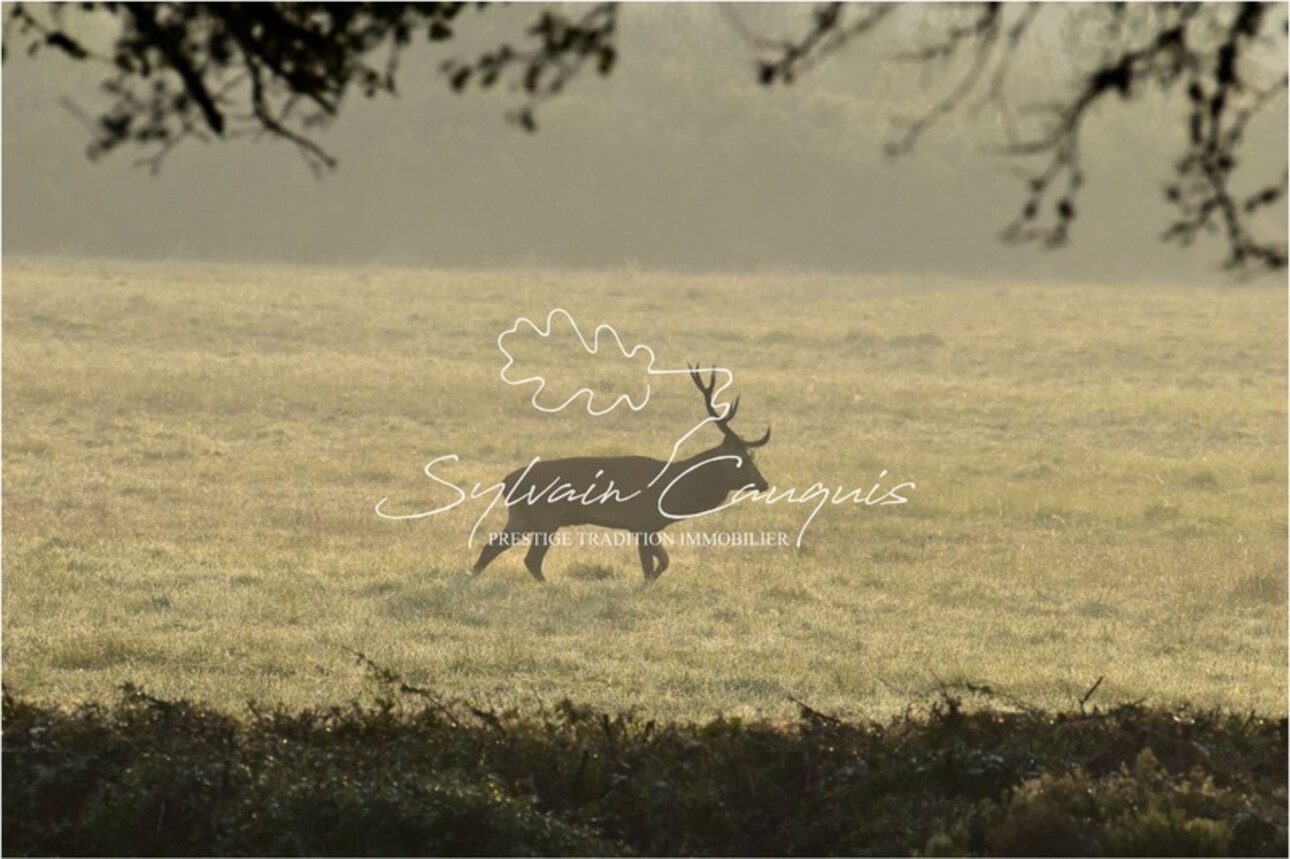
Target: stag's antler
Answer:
[[707, 391], [721, 420]]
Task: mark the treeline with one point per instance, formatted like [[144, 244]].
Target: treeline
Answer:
[[411, 774]]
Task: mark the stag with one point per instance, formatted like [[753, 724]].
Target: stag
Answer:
[[633, 493]]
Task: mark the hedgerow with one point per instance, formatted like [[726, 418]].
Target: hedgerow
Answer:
[[411, 774]]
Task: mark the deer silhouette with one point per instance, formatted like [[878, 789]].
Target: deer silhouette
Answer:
[[634, 493]]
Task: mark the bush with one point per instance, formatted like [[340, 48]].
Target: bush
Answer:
[[1139, 811], [412, 774]]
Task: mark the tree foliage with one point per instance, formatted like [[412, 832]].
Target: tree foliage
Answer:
[[1197, 52], [176, 71]]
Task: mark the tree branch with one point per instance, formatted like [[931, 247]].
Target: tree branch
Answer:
[[1178, 45], [565, 47]]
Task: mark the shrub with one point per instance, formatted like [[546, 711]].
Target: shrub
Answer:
[[412, 774]]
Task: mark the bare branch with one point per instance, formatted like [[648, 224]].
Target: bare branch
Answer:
[[1084, 699], [829, 32], [1201, 44], [985, 32]]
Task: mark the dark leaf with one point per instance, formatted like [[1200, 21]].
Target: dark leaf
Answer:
[[1118, 78], [605, 59], [1265, 197], [1225, 73], [460, 78], [66, 44], [1249, 20]]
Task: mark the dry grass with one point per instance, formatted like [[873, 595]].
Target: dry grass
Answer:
[[192, 454]]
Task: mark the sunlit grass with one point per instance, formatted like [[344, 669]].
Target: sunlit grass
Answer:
[[192, 455]]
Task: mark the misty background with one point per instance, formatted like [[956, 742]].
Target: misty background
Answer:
[[678, 160]]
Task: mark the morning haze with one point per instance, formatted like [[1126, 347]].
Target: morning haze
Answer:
[[678, 160], [1008, 577]]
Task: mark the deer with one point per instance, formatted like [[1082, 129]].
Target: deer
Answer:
[[636, 493]]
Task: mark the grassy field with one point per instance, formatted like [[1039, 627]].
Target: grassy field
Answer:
[[192, 455]]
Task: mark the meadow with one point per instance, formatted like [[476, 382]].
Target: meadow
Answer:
[[192, 454]]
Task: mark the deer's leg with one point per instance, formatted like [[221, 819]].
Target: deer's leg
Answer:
[[647, 555], [538, 547], [651, 550], [497, 543], [663, 560]]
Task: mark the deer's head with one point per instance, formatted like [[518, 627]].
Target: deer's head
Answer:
[[740, 469]]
